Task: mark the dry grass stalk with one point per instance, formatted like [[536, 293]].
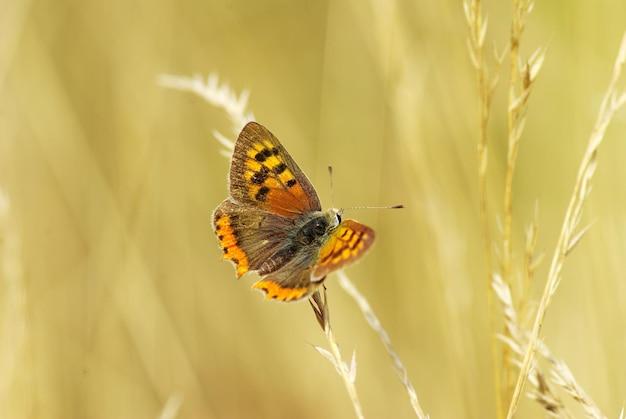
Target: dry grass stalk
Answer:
[[543, 391], [531, 261], [545, 395], [486, 87], [520, 84], [218, 95], [563, 377], [570, 234], [375, 324], [521, 81], [347, 372]]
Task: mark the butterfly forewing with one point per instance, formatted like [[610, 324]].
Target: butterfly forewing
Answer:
[[264, 175]]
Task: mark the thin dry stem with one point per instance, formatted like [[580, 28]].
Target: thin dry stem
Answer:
[[521, 78], [545, 395], [611, 103], [519, 90], [375, 324], [217, 94], [531, 261], [347, 373], [543, 391], [486, 87], [563, 377]]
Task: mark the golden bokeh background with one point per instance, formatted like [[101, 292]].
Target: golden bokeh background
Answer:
[[114, 302]]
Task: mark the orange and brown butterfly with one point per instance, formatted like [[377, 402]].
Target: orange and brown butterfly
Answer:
[[273, 223]]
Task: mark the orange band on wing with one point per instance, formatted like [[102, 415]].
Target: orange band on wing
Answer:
[[228, 242], [274, 290]]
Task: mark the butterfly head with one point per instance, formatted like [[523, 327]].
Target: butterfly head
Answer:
[[336, 214]]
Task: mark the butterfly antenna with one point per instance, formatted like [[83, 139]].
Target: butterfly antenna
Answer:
[[332, 190], [365, 207], [332, 197]]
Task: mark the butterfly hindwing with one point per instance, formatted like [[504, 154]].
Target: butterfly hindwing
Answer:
[[344, 245], [294, 280], [264, 175], [250, 236]]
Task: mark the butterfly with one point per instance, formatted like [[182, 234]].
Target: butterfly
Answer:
[[273, 223]]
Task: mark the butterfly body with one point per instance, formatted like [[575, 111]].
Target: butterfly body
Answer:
[[273, 224]]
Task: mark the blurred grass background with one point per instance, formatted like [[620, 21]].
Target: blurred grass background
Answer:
[[114, 298]]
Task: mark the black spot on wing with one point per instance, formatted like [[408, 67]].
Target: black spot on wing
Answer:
[[261, 195], [262, 155], [261, 176], [278, 169], [291, 182]]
